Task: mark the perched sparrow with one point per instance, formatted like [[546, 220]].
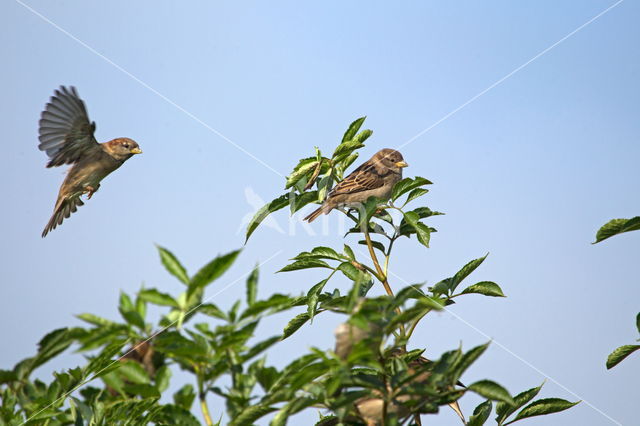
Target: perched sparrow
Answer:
[[374, 178], [66, 135], [370, 408]]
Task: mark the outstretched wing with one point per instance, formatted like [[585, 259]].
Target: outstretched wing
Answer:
[[364, 178], [65, 133]]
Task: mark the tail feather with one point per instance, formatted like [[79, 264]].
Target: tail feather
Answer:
[[63, 210], [317, 212]]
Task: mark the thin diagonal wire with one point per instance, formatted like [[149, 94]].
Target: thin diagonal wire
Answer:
[[65, 395], [454, 111], [141, 82]]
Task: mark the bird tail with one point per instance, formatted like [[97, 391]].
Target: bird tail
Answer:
[[64, 208], [317, 212]]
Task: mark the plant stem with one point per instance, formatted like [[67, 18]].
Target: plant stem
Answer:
[[388, 254], [205, 410], [202, 396], [382, 276], [371, 271]]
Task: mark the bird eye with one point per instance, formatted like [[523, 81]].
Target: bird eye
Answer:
[[126, 145]]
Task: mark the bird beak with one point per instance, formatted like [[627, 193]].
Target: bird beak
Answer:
[[136, 151], [401, 164]]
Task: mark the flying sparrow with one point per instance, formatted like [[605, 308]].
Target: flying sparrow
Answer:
[[374, 178], [66, 135]]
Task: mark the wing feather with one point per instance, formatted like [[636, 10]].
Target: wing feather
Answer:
[[364, 178], [65, 133]]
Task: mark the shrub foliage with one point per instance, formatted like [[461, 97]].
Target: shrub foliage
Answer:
[[375, 375]]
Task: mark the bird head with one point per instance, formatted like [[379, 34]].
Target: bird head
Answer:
[[389, 158], [122, 148]]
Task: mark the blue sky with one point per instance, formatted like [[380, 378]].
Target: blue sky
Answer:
[[527, 172]]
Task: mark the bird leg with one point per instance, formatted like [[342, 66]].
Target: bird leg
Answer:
[[90, 190]]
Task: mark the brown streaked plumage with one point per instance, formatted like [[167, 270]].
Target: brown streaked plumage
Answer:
[[370, 408], [66, 135], [374, 178]]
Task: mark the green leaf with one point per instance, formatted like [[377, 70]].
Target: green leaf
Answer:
[[129, 312], [423, 212], [133, 318], [171, 414], [362, 136], [491, 390], [366, 211], [294, 406], [542, 407], [100, 363], [422, 231], [156, 297], [300, 170], [301, 200], [184, 397], [212, 271], [465, 271], [504, 410], [275, 303], [212, 310], [141, 307], [418, 192], [486, 288], [320, 253], [345, 149], [173, 343], [41, 415], [173, 265], [134, 372], [7, 376], [353, 273], [480, 414], [349, 254], [293, 325], [353, 129], [260, 347], [324, 186], [343, 154], [52, 344], [617, 226], [375, 244], [95, 320], [638, 322], [349, 160], [125, 302], [145, 391], [305, 264], [313, 297], [469, 358], [275, 205], [320, 164], [619, 354], [266, 377], [326, 253], [406, 185], [252, 286], [252, 413], [162, 378]]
